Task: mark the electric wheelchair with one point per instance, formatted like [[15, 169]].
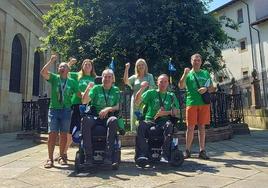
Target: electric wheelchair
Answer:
[[155, 140], [99, 143]]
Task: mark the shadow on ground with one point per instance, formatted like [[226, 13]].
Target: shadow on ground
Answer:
[[129, 169], [9, 144]]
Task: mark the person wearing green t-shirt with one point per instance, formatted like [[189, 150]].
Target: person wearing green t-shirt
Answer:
[[59, 114], [82, 78], [196, 82], [161, 105], [104, 98], [134, 81]]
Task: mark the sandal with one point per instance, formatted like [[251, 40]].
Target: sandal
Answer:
[[58, 157], [49, 164], [65, 157], [62, 161]]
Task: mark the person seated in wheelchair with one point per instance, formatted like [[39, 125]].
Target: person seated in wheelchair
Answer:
[[161, 106], [104, 98]]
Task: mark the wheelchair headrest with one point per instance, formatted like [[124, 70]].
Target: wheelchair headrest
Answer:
[[98, 80]]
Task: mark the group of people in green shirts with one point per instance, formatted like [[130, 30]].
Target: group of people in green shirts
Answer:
[[70, 89]]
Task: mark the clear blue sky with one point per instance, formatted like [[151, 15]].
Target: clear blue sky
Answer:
[[217, 3]]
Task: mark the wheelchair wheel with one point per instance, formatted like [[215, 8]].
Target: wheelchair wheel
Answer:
[[176, 158], [117, 156], [137, 153], [79, 159]]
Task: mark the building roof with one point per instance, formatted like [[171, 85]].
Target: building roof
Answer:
[[261, 20], [225, 5]]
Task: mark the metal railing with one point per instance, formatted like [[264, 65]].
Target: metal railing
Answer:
[[34, 115], [225, 109]]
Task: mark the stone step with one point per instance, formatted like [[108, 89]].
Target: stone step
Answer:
[[212, 135], [240, 128]]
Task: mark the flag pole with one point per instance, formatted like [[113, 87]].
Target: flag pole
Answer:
[[170, 76]]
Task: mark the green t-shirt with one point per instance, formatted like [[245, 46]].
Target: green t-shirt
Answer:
[[151, 100], [68, 86], [135, 83], [82, 85], [193, 96], [101, 98]]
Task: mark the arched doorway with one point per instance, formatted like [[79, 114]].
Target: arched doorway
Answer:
[[16, 62]]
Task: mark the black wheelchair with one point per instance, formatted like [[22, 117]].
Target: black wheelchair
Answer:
[[155, 139], [99, 142]]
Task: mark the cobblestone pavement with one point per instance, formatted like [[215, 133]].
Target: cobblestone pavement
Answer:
[[239, 162]]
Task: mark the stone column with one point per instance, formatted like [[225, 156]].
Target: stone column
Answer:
[[256, 91]]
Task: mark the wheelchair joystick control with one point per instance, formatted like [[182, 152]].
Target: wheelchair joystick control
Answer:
[[174, 143]]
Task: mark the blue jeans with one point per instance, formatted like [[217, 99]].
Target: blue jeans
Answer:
[[59, 120]]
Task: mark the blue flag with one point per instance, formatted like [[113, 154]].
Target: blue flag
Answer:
[[171, 67], [112, 64]]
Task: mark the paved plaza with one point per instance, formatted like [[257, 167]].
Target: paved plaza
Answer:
[[239, 162]]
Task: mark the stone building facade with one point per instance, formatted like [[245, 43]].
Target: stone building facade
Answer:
[[249, 51], [21, 26]]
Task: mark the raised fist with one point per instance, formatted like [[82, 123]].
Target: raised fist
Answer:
[[127, 65], [53, 58], [186, 71], [72, 61], [144, 84]]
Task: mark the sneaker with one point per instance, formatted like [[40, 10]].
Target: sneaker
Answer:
[[142, 161], [164, 160], [203, 155], [187, 154]]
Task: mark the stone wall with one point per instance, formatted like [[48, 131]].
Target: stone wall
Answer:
[[257, 118]]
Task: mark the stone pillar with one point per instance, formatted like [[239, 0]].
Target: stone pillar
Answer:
[[256, 91], [234, 89]]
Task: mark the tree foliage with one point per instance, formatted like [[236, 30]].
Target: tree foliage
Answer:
[[130, 29]]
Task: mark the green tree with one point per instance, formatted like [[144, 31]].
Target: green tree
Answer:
[[127, 30]]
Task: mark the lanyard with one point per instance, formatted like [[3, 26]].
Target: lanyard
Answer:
[[106, 97], [62, 90], [162, 101]]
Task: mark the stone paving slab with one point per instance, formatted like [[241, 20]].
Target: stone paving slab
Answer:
[[203, 180], [239, 162]]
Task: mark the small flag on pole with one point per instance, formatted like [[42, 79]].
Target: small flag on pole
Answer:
[[171, 68], [112, 64]]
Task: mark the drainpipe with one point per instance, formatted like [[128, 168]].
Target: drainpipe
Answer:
[[250, 36], [263, 69]]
